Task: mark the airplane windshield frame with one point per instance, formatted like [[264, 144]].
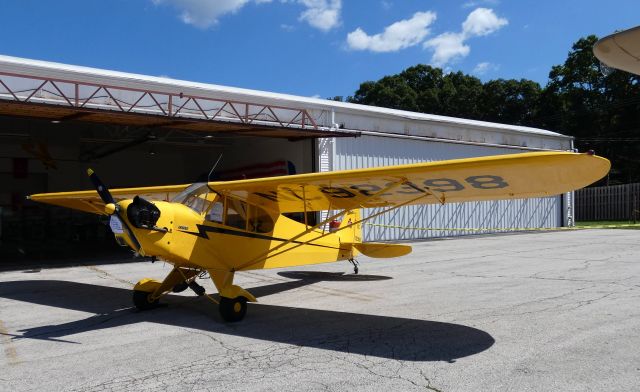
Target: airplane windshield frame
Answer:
[[196, 196]]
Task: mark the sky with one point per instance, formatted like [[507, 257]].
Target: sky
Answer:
[[319, 48]]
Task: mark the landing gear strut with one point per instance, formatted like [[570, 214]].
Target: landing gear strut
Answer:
[[233, 299]]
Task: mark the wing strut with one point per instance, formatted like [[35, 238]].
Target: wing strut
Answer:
[[267, 254], [263, 256]]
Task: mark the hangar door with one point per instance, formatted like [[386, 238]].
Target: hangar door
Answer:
[[43, 156]]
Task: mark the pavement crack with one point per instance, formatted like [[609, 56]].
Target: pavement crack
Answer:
[[105, 274]]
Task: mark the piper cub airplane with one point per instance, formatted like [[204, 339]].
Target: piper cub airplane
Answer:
[[221, 228]]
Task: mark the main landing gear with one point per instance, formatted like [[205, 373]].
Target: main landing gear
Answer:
[[233, 299]]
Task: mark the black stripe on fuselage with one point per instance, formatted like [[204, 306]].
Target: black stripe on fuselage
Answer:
[[203, 231]]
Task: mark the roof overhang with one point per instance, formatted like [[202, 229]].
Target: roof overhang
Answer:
[[64, 92], [43, 94]]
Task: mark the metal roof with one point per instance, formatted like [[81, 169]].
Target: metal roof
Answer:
[[323, 114]]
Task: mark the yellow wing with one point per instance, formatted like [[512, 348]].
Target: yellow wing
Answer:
[[89, 201], [487, 178]]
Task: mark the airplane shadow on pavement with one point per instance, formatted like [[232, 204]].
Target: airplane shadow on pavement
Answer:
[[372, 335]]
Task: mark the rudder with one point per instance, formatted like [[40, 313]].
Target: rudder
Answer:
[[352, 234]]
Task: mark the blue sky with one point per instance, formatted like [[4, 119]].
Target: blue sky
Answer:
[[307, 47]]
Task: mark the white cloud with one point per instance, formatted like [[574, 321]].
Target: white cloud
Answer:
[[321, 14], [448, 47], [397, 36], [205, 13], [484, 67], [481, 22]]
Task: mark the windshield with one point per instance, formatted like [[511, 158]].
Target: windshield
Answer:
[[197, 196]]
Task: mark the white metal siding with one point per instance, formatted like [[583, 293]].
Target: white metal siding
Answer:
[[372, 151]]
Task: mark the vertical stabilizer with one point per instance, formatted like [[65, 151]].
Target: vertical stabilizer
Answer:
[[352, 234]]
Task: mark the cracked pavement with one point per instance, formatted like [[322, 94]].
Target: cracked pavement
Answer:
[[514, 312]]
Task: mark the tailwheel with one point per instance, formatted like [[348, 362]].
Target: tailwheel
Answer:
[[233, 309], [355, 263], [142, 300]]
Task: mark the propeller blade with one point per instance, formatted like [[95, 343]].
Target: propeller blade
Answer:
[[102, 190]]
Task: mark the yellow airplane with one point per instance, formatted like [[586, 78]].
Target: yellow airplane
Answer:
[[220, 228]]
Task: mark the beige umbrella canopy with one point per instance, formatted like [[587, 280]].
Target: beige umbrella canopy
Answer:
[[620, 50]]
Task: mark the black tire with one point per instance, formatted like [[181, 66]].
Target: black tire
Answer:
[[233, 309], [141, 300]]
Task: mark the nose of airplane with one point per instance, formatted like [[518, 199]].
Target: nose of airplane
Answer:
[[143, 214]]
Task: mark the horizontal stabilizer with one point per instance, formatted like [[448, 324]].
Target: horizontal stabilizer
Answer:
[[382, 251]]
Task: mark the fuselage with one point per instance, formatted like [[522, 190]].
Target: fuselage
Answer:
[[228, 234]]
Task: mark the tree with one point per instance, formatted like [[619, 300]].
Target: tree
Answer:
[[510, 101], [389, 92], [601, 111]]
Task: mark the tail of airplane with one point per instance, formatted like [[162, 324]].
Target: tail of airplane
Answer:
[[353, 236]]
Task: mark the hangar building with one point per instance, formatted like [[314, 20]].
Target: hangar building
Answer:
[[134, 130]]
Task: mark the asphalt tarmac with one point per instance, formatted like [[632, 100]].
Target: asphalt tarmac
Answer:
[[551, 311]]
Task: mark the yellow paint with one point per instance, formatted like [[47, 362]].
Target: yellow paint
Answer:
[[147, 285], [256, 234], [233, 291], [381, 251], [110, 208]]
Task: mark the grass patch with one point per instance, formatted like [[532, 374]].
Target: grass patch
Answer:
[[608, 225]]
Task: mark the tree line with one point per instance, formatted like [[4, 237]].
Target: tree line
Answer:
[[598, 106]]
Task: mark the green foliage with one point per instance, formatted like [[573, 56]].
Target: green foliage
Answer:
[[602, 112]]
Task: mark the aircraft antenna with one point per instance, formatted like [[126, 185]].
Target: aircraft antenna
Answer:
[[214, 168]]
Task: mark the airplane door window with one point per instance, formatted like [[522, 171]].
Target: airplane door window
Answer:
[[260, 221], [236, 215], [216, 212]]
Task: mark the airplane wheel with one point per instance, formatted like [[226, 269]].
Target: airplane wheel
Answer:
[[141, 300], [233, 309]]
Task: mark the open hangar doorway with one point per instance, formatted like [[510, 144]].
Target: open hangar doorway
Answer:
[[40, 155]]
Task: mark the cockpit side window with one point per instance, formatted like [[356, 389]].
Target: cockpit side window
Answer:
[[260, 221], [236, 213], [216, 212]]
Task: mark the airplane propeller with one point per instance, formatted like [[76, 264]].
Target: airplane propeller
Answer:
[[109, 202], [111, 208]]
